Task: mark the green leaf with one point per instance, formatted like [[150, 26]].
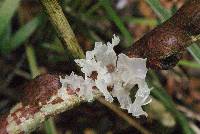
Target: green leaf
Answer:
[[189, 64], [21, 35], [5, 37], [7, 10], [118, 22], [195, 52]]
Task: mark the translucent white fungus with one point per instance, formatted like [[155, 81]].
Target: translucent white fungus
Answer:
[[114, 76]]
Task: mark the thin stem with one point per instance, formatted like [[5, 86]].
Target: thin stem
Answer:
[[50, 126], [62, 27], [93, 8], [124, 116], [32, 61]]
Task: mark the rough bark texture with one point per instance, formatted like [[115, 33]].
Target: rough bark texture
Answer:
[[40, 101], [41, 89], [164, 45]]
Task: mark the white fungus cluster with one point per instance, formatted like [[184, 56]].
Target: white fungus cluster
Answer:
[[112, 75]]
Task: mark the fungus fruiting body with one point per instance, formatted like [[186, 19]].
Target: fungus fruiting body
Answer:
[[113, 75]]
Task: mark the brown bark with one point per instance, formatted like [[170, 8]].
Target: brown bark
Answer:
[[164, 45]]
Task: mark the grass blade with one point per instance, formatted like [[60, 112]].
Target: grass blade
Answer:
[[50, 126], [162, 13], [7, 10], [30, 53], [93, 9], [189, 64], [195, 52], [21, 35], [118, 22]]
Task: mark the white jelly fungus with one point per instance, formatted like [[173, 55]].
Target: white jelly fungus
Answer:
[[113, 75]]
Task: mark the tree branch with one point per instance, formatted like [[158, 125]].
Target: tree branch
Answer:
[[41, 100], [163, 46]]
